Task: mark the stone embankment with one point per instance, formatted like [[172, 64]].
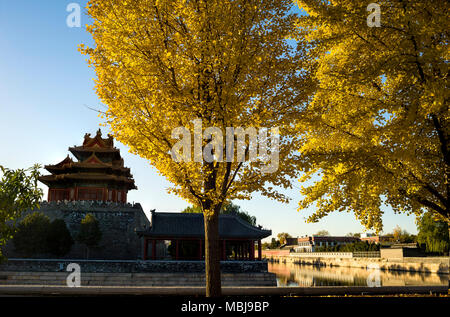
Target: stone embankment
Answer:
[[438, 265], [129, 266], [135, 279], [132, 273]]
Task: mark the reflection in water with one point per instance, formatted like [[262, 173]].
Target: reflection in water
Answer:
[[290, 274]]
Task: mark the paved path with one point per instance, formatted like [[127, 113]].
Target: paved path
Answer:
[[40, 290]]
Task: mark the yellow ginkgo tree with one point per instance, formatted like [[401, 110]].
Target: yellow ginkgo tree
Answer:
[[376, 129], [172, 71]]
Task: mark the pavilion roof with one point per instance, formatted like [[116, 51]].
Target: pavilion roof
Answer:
[[89, 166], [97, 161], [78, 150], [67, 161], [98, 141], [48, 179], [91, 163], [97, 145], [191, 225]]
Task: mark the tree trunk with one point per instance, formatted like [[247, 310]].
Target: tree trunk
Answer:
[[212, 255]]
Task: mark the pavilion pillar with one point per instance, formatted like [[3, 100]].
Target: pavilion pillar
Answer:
[[145, 248], [177, 249], [241, 251], [259, 250], [252, 250], [247, 256], [247, 247], [200, 253], [154, 249], [224, 250]]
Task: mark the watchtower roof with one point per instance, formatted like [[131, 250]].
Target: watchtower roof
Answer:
[[98, 171]]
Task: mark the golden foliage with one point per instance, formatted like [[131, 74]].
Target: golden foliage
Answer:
[[161, 64], [376, 129]]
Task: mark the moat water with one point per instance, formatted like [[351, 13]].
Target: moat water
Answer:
[[290, 274]]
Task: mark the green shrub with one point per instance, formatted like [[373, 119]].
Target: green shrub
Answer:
[[350, 247], [30, 238], [59, 240], [36, 235], [433, 234], [90, 233]]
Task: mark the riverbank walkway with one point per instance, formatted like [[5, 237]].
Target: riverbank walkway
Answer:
[[52, 290]]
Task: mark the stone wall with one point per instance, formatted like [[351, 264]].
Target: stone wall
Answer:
[[439, 265], [269, 253], [345, 255], [399, 253], [118, 223], [133, 273], [136, 279], [112, 266]]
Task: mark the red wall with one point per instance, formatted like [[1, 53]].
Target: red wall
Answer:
[[269, 253]]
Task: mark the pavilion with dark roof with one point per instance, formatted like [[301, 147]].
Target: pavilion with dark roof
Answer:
[[180, 236]]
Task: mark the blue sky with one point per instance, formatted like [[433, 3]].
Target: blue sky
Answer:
[[45, 89]]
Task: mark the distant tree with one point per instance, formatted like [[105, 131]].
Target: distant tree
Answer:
[[31, 236], [18, 192], [322, 233], [406, 237], [228, 209], [274, 243], [232, 209], [90, 233], [401, 236], [192, 210], [282, 237], [59, 240], [388, 237], [397, 233], [350, 247], [433, 234]]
